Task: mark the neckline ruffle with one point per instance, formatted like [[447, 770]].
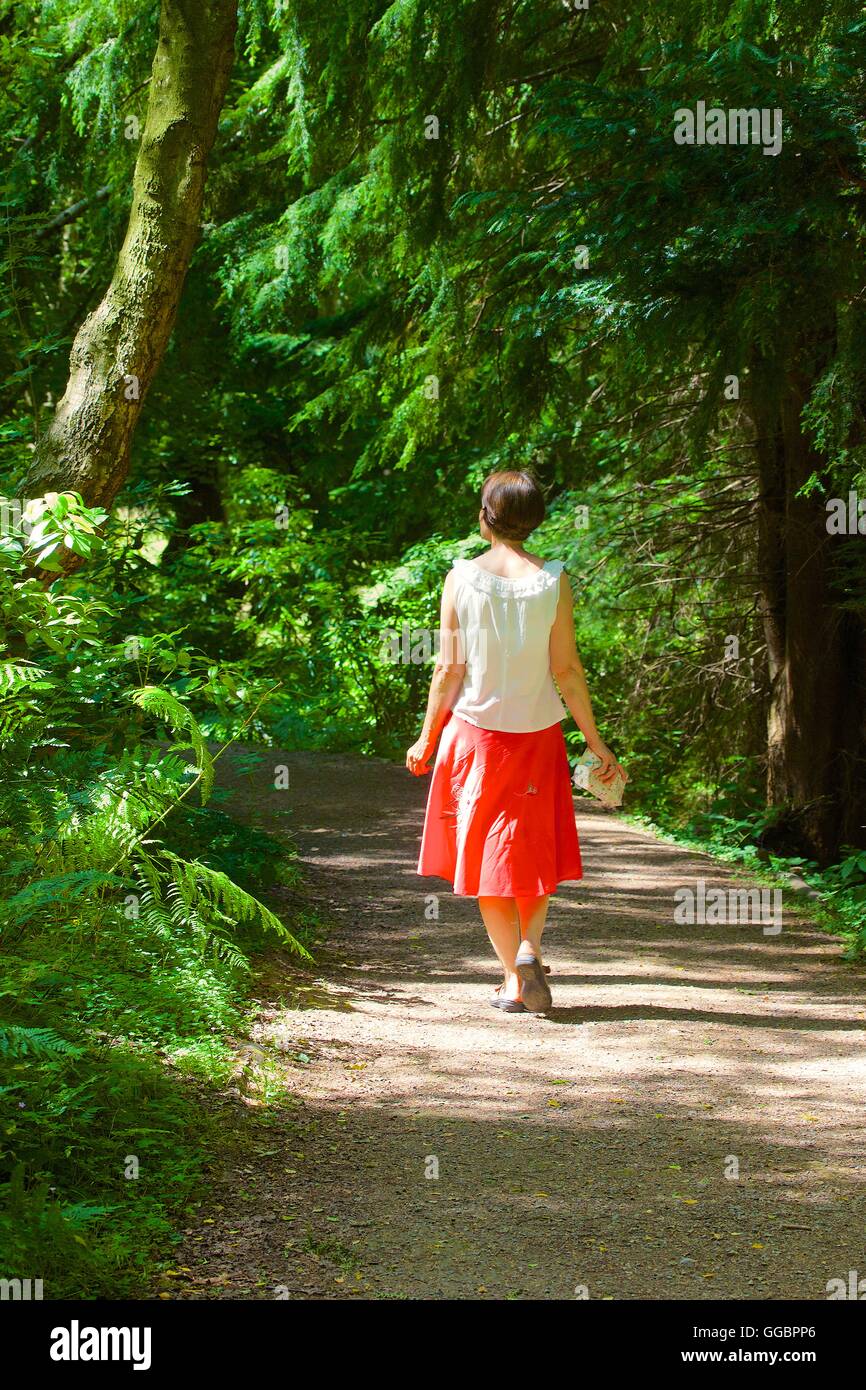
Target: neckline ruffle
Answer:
[[515, 588]]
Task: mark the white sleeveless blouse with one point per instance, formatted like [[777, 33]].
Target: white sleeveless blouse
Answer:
[[505, 641]]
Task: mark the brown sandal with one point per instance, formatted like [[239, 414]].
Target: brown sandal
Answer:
[[508, 1006], [536, 990]]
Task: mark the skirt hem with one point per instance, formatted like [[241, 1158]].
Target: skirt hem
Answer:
[[509, 892]]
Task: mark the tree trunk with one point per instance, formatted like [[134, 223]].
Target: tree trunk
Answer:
[[119, 347], [816, 750]]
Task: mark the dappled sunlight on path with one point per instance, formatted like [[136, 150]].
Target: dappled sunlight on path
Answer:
[[685, 1123]]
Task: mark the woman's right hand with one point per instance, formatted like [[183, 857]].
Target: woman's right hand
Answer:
[[609, 767], [419, 756]]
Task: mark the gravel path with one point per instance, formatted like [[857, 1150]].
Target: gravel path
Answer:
[[685, 1123]]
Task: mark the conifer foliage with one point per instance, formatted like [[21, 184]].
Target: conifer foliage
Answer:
[[282, 282]]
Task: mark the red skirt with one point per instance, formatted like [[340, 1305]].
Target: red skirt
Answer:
[[500, 816]]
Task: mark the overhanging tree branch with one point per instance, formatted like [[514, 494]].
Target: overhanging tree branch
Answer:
[[74, 210]]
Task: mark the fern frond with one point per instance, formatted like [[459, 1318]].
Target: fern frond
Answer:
[[16, 674], [195, 879], [224, 949], [44, 893], [153, 699], [43, 1043]]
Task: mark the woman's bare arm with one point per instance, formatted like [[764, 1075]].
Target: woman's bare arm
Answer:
[[445, 685], [567, 670]]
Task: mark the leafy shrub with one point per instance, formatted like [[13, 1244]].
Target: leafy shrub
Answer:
[[124, 949]]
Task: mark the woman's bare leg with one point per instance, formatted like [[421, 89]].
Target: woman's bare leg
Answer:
[[500, 918], [532, 914]]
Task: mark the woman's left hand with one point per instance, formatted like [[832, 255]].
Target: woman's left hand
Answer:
[[608, 767], [418, 757]]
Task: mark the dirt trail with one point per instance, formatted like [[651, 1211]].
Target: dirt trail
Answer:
[[585, 1149]]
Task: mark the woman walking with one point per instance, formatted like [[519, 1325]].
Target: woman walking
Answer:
[[500, 818]]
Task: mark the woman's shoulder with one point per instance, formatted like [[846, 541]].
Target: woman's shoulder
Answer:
[[481, 562], [479, 576]]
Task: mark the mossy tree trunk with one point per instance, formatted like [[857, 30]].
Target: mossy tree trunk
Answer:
[[119, 347]]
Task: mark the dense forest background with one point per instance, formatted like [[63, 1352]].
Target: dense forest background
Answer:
[[244, 424]]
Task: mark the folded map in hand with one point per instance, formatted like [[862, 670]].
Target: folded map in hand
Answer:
[[586, 777]]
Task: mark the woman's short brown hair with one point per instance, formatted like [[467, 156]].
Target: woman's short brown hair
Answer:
[[513, 504]]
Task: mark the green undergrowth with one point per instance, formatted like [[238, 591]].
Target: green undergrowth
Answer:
[[110, 1043], [135, 914], [839, 908]]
